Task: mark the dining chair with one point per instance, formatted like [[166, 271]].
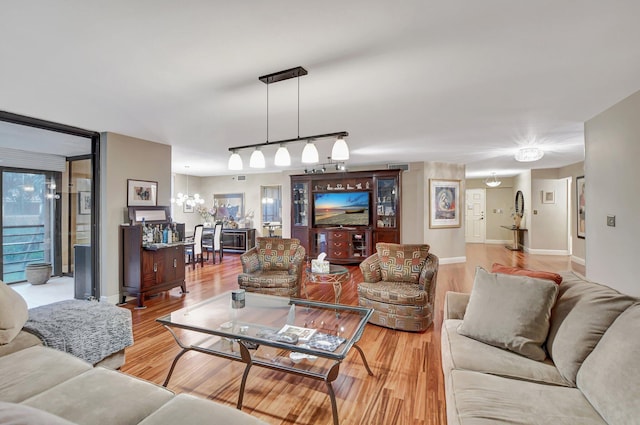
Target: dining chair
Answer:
[[194, 252], [217, 242]]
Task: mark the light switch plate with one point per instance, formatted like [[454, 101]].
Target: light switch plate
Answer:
[[611, 220]]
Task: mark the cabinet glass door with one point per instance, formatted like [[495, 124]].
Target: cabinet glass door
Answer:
[[300, 203], [387, 202]]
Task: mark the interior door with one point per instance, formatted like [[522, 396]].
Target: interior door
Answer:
[[475, 227]]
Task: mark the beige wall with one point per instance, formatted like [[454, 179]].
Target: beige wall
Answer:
[[548, 229], [578, 245], [123, 158], [499, 203], [612, 174]]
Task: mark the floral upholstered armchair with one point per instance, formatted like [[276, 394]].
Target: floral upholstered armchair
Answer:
[[273, 266], [399, 284]]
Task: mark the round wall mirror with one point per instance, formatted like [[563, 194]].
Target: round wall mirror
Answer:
[[519, 203]]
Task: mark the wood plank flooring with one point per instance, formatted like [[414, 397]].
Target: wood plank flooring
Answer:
[[407, 388]]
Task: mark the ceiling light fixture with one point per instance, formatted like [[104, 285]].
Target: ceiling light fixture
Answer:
[[529, 154], [322, 168], [492, 181], [340, 151]]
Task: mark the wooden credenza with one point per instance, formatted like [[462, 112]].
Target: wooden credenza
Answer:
[[341, 244], [149, 271]]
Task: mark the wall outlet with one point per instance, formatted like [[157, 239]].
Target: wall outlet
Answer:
[[611, 220]]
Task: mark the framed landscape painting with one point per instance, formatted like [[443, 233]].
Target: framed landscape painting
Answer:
[[581, 207], [444, 202], [142, 193]]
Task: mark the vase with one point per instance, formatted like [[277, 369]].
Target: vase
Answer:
[[517, 220], [37, 273]]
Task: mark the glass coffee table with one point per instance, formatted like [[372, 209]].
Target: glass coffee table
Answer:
[[262, 331]]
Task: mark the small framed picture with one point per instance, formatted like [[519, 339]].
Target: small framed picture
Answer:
[[142, 193], [444, 201], [84, 203], [187, 208], [548, 197]]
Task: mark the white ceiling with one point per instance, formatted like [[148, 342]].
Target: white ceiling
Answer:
[[415, 80]]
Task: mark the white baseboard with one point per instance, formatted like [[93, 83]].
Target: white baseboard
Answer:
[[453, 260], [498, 242], [547, 251], [111, 299], [578, 260]]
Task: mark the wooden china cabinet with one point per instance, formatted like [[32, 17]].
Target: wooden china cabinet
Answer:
[[345, 214]]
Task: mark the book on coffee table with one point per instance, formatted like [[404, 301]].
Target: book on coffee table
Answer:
[[303, 334]]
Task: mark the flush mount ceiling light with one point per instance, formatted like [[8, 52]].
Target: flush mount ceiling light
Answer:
[[340, 151], [492, 181], [529, 154]]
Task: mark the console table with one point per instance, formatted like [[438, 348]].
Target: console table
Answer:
[[238, 240], [517, 237]]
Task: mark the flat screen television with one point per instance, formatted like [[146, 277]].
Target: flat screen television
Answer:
[[341, 208]]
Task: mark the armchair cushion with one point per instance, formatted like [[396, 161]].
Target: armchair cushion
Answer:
[[276, 253], [13, 313], [401, 263]]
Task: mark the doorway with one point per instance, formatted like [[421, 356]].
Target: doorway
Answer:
[[475, 223]]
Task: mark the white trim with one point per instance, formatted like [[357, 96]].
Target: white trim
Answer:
[[498, 242], [578, 260], [547, 251], [453, 260], [111, 299]]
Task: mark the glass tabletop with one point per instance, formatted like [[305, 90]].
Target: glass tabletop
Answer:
[[333, 269], [265, 318]]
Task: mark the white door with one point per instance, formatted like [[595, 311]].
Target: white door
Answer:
[[475, 228]]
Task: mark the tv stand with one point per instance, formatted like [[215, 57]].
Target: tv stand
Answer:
[[345, 244]]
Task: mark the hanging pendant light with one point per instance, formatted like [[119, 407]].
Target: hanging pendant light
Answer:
[[340, 151], [235, 161], [186, 199], [282, 159], [310, 154], [257, 159], [492, 181]]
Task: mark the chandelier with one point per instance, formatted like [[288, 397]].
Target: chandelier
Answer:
[[187, 199], [339, 152], [529, 154]]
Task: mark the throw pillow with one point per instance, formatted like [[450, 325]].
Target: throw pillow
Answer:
[[499, 268], [13, 313], [401, 263], [510, 312], [18, 414]]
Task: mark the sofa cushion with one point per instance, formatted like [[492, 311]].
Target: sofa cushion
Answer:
[[17, 414], [20, 342], [510, 312], [101, 396], [22, 372], [186, 409], [13, 313], [276, 253], [401, 262], [583, 312], [476, 399], [610, 375], [518, 271], [460, 352]]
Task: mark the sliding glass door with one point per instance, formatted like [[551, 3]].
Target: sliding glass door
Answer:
[[29, 206]]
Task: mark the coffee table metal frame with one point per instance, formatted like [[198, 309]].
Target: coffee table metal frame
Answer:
[[246, 357]]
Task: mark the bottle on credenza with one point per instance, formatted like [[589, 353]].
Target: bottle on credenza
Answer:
[[165, 235]]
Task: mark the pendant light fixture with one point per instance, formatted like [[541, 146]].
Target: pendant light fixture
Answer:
[[492, 181], [191, 201], [310, 155]]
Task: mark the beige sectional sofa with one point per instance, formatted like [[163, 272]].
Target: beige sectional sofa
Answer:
[[41, 385], [590, 376]]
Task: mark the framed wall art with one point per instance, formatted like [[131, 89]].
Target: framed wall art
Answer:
[[580, 207], [84, 203], [142, 193], [444, 201], [548, 197], [187, 208], [229, 206]]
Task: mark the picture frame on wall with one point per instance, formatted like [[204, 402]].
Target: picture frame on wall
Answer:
[[186, 208], [142, 193], [84, 203], [444, 203], [229, 206], [548, 197], [581, 207]]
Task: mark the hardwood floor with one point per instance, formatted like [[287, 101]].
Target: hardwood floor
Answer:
[[407, 387]]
